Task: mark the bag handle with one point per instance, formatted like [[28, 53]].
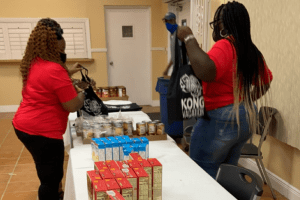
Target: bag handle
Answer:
[[180, 53], [85, 77]]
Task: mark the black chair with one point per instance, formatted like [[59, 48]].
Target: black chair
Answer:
[[252, 151], [234, 180]]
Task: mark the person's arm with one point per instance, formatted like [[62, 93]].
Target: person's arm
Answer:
[[258, 92], [74, 104], [168, 67], [204, 68]]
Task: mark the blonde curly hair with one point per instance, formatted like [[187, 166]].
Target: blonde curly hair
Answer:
[[42, 43]]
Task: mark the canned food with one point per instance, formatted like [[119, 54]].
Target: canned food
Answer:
[[108, 128], [120, 93], [160, 129], [157, 121], [123, 92], [127, 125], [97, 130], [99, 92], [141, 128], [118, 123], [105, 92], [118, 131], [113, 91], [152, 128]]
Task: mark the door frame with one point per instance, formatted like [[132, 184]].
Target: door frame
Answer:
[[148, 9]]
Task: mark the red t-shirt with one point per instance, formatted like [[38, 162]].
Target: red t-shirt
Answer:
[[41, 112], [219, 93]]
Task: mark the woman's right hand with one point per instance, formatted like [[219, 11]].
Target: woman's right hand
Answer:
[[78, 90]]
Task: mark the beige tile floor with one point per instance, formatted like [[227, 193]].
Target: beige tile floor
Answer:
[[18, 178]]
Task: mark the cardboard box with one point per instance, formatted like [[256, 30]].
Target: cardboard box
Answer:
[[100, 165], [116, 172], [134, 156], [156, 178], [132, 178], [100, 191], [142, 183], [122, 165], [112, 164], [133, 163], [112, 184], [105, 174], [126, 188], [114, 195], [148, 168], [92, 178]]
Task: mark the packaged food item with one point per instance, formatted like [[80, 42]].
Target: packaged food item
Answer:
[[132, 178], [142, 150], [116, 172], [156, 178], [97, 130], [108, 148], [133, 163], [146, 141], [126, 188], [100, 191], [100, 165], [121, 91], [111, 164], [115, 148], [152, 128], [127, 125], [136, 140], [122, 165], [141, 128], [134, 156], [105, 174], [148, 168], [92, 178], [118, 130], [87, 130], [146, 125], [142, 183], [113, 91], [135, 148], [108, 128], [126, 152], [160, 129], [114, 195], [100, 155], [157, 121], [121, 142], [94, 149], [111, 184], [105, 92], [99, 92], [78, 125]]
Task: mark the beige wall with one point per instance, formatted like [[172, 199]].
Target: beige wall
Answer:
[[275, 31], [10, 80]]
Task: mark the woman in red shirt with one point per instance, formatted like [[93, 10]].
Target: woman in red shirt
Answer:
[[234, 76], [48, 97]]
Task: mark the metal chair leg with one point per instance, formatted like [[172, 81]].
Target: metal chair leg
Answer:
[[260, 170], [267, 177]]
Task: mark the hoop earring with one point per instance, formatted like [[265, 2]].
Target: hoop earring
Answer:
[[223, 36]]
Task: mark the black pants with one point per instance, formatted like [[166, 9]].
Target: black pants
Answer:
[[48, 155]]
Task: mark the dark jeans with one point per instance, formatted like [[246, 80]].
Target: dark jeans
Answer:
[[48, 155]]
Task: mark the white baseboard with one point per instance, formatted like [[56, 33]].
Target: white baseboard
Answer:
[[155, 103], [9, 108], [278, 183]]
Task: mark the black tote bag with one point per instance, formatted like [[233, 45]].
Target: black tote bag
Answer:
[[185, 95], [93, 105]]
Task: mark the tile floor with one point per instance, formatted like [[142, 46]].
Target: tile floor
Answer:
[[18, 178]]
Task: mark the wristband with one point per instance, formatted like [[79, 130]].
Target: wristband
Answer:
[[189, 37]]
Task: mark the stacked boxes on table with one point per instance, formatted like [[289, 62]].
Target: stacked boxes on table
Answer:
[[135, 178]]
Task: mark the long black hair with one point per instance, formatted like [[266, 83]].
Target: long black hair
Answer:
[[250, 65]]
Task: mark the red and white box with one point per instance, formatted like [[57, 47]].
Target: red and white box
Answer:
[[100, 190], [148, 168], [122, 165], [105, 174], [134, 156], [142, 183], [126, 188], [111, 164], [117, 173], [92, 178], [133, 163], [100, 165], [132, 178], [156, 178], [112, 184], [114, 195]]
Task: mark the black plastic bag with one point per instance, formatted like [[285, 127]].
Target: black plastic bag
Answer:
[[185, 95], [93, 105]]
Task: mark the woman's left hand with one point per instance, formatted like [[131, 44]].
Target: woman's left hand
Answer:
[[183, 31], [75, 68]]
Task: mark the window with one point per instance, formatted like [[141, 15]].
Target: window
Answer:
[[14, 34], [127, 31]]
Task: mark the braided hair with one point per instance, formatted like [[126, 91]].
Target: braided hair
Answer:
[[42, 43], [250, 65]]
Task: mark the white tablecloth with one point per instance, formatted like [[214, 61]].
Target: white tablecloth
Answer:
[[183, 179]]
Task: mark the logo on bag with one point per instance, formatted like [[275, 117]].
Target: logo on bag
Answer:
[[92, 106], [191, 106]]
